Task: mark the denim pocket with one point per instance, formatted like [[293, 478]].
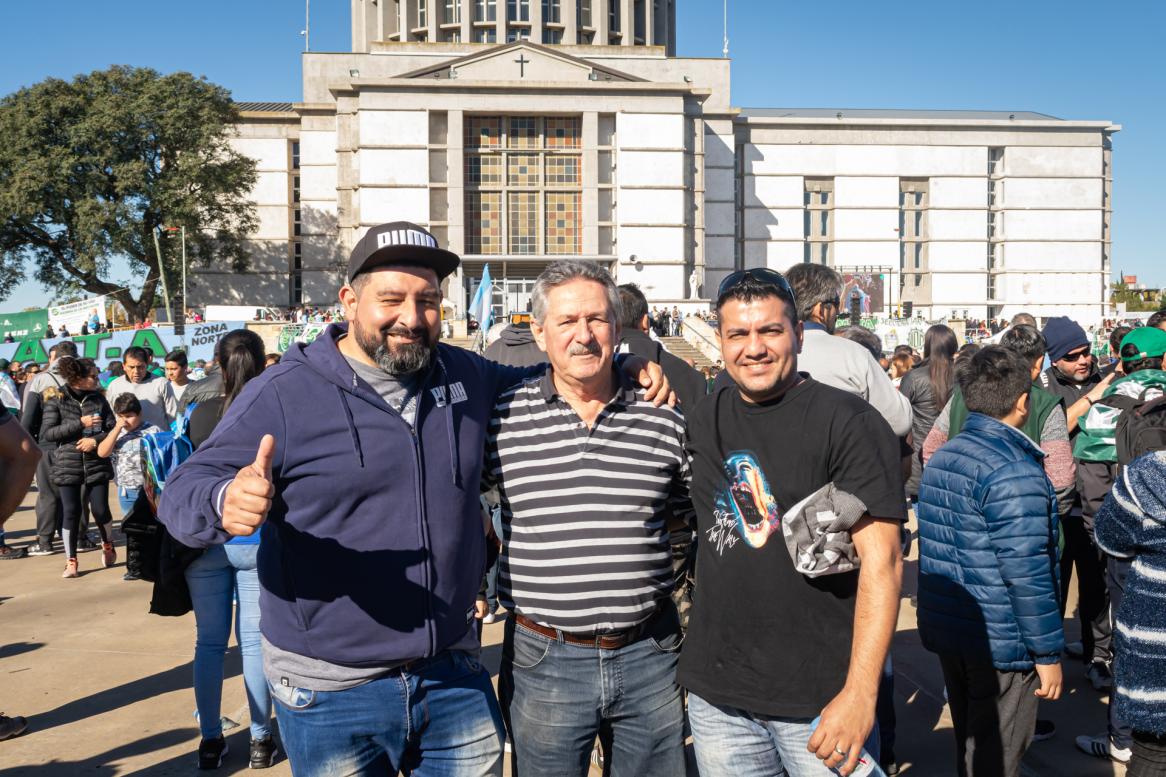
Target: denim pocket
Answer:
[[528, 648], [292, 697], [465, 663], [667, 644]]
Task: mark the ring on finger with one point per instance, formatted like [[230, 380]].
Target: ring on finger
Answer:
[[841, 752]]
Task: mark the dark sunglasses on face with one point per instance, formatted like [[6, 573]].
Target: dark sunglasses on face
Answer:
[[758, 275], [1076, 356]]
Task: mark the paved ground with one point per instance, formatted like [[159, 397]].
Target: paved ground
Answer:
[[106, 687]]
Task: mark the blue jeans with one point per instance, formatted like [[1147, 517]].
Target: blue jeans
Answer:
[[439, 718], [215, 578], [558, 697], [729, 741], [492, 572], [126, 498]]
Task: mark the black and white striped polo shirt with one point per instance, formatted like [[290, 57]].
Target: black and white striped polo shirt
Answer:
[[585, 547]]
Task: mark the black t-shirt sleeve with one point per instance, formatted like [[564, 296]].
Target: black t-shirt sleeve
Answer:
[[864, 461]]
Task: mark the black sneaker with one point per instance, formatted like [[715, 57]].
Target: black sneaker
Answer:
[[1045, 729], [12, 727], [263, 752], [9, 552], [131, 576], [85, 543], [211, 753], [41, 550]]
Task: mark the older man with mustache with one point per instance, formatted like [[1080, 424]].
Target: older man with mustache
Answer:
[[588, 471], [359, 457]]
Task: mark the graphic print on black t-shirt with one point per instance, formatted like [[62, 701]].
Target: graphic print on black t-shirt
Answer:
[[747, 505]]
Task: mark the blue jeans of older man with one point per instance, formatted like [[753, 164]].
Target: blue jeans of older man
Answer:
[[558, 697], [436, 718]]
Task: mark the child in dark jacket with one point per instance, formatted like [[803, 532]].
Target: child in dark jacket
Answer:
[[988, 536]]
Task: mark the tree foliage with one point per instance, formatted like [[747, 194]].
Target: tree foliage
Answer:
[[90, 168]]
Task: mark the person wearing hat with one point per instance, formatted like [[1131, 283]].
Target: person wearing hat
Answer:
[[1141, 353], [359, 458], [1074, 377]]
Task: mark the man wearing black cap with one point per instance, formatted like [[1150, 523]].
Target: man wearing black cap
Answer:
[[359, 458]]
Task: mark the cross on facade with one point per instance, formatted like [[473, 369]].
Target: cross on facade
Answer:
[[522, 63]]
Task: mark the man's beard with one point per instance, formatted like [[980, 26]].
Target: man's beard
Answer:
[[400, 359]]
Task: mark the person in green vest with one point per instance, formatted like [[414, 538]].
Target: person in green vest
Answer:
[[1046, 424]]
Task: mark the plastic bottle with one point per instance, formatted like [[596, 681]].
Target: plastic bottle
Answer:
[[867, 766]]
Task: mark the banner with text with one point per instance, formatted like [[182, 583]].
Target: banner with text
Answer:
[[74, 314], [27, 323], [110, 346]]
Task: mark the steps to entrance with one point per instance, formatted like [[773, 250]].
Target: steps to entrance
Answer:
[[682, 349]]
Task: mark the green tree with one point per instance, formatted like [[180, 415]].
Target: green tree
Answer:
[[90, 168], [1135, 301]]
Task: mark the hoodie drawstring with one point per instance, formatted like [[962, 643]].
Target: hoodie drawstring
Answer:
[[351, 424]]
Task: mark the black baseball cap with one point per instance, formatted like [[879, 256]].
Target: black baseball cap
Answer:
[[400, 242]]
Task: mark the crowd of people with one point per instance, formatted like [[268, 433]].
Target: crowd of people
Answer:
[[717, 553]]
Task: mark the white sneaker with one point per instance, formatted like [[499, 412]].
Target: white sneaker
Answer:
[[1101, 746], [490, 618]]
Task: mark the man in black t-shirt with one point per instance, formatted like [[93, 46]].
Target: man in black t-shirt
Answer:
[[768, 650]]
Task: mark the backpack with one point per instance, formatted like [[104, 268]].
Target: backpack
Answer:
[[162, 452], [1142, 428]]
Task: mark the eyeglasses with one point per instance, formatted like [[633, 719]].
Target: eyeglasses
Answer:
[[760, 275], [1076, 357]]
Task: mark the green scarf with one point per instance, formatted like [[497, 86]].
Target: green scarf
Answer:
[[1098, 427]]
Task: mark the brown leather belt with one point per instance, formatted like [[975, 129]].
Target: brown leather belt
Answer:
[[611, 641]]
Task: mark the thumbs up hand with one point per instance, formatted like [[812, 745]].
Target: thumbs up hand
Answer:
[[248, 497]]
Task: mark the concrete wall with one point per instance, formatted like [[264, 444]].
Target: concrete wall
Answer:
[[1048, 209]]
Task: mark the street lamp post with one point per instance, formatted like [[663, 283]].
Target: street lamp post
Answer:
[[182, 231], [162, 276]]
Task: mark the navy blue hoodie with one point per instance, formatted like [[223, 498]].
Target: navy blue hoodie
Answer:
[[373, 551]]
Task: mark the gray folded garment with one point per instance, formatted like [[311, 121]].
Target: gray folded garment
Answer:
[[817, 532]]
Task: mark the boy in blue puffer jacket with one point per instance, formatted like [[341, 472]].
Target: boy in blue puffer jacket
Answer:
[[988, 565]]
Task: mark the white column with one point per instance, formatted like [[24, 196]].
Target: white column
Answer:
[[599, 11], [536, 21], [570, 17]]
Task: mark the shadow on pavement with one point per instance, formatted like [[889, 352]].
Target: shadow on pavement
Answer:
[[18, 648], [108, 759], [178, 678]]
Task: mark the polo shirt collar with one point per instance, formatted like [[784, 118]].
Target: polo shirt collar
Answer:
[[625, 391]]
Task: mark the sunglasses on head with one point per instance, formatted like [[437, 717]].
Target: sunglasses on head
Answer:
[[757, 275], [1076, 356]]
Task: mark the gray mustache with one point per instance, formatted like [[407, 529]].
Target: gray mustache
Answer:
[[579, 349]]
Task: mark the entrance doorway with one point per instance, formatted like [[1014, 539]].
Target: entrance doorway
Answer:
[[512, 285]]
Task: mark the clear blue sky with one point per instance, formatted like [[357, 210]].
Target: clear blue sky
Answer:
[[1067, 58]]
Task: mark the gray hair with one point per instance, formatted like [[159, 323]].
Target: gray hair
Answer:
[[813, 283], [864, 337], [566, 270]]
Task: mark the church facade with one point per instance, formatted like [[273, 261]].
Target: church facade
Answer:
[[599, 143]]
